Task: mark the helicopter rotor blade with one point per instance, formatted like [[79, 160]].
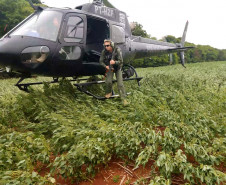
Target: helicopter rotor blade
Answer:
[[182, 45], [184, 34]]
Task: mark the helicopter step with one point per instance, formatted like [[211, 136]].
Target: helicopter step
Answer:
[[102, 81], [80, 88]]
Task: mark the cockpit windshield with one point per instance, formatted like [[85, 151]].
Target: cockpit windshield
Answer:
[[45, 25]]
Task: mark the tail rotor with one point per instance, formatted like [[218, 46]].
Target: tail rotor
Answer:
[[181, 55], [184, 35]]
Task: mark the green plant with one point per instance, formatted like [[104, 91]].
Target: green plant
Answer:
[[176, 118], [116, 178]]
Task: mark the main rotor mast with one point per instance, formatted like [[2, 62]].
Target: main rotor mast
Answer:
[[98, 2]]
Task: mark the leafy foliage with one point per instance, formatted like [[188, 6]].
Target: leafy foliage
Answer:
[[13, 12], [26, 178], [176, 118], [108, 4], [139, 31]]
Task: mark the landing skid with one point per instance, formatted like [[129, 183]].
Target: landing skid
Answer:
[[128, 71], [80, 86], [24, 86]]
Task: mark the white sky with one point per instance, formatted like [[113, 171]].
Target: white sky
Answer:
[[207, 18]]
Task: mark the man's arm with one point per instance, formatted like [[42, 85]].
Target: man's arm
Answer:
[[119, 61], [102, 60]]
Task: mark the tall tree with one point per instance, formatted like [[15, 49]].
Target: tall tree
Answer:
[[222, 55], [12, 12], [108, 4], [171, 39], [36, 1], [138, 30]]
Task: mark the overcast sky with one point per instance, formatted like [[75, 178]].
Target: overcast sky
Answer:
[[207, 18]]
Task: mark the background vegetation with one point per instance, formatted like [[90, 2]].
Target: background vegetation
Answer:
[[176, 119], [12, 12]]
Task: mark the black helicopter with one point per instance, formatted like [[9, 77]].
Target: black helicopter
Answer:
[[67, 43]]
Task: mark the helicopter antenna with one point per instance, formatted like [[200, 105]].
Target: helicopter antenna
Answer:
[[98, 2]]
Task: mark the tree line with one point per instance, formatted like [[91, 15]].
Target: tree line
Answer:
[[12, 12]]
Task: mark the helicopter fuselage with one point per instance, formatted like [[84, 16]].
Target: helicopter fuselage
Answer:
[[68, 42]]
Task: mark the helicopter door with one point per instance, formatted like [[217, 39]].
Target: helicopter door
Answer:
[[72, 38]]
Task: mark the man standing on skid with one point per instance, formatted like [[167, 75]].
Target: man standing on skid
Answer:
[[111, 59]]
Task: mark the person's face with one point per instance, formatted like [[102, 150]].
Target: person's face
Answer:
[[107, 46], [56, 22]]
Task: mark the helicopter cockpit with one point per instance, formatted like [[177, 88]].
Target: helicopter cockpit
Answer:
[[43, 24], [55, 37]]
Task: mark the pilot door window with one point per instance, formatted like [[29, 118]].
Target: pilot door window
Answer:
[[74, 29]]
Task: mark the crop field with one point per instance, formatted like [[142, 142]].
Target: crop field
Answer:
[[172, 132]]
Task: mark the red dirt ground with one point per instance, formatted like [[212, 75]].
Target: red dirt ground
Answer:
[[116, 173]]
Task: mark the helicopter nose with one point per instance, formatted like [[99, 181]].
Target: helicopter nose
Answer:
[[2, 57], [6, 58]]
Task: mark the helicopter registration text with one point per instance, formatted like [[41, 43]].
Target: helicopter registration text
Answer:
[[104, 11]]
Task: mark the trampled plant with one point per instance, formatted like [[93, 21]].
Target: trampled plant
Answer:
[[176, 118]]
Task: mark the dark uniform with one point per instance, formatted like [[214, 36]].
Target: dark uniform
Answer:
[[105, 59]]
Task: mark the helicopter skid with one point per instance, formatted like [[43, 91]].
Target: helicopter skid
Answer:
[[24, 86], [80, 86], [95, 96]]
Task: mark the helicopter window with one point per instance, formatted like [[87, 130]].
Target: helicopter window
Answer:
[[118, 34], [45, 25], [75, 30]]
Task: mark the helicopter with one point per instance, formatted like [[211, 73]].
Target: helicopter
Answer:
[[66, 42]]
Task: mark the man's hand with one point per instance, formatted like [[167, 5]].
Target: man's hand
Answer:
[[107, 68], [112, 62]]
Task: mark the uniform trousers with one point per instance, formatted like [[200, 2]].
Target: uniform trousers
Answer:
[[120, 85]]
